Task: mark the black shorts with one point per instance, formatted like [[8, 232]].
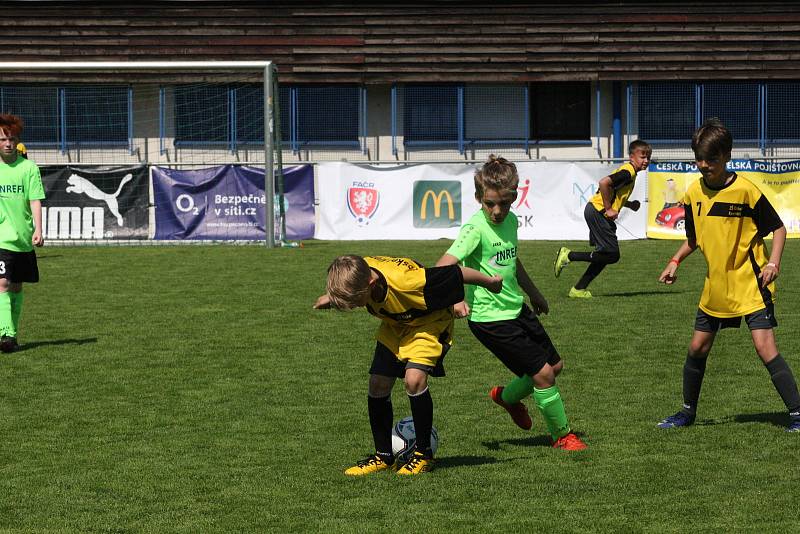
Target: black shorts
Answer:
[[602, 231], [385, 363], [18, 267], [521, 344], [762, 319]]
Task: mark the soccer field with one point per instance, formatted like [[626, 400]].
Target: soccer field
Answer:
[[193, 389]]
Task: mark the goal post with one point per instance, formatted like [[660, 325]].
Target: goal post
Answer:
[[20, 72]]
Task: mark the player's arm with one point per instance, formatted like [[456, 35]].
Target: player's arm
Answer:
[[323, 302], [492, 283], [773, 267], [36, 211], [538, 301], [633, 205], [668, 275], [769, 222], [460, 309], [606, 187], [446, 259]]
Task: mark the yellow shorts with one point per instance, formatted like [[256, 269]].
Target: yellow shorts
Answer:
[[417, 344]]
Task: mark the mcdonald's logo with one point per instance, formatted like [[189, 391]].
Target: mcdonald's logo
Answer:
[[437, 203]]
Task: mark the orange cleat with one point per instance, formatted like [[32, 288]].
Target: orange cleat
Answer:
[[570, 442], [517, 411]]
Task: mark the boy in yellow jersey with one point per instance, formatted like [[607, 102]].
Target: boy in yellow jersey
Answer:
[[727, 218], [600, 213], [415, 306], [502, 322]]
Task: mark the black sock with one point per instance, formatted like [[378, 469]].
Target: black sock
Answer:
[[693, 371], [380, 420], [579, 256], [783, 380], [591, 273], [422, 412]]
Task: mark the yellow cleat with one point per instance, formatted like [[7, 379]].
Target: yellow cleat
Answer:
[[579, 293], [561, 261], [367, 466], [417, 464]]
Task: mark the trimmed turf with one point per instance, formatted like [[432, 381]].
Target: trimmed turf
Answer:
[[193, 389]]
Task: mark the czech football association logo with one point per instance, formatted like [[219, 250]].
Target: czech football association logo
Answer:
[[362, 203]]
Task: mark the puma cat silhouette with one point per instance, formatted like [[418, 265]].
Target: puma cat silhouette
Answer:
[[79, 184]]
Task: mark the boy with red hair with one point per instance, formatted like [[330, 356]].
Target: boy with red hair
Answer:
[[21, 194]]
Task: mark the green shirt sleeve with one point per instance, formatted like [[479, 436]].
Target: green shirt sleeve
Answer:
[[35, 188], [469, 237]]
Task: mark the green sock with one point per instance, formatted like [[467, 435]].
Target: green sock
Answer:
[[16, 308], [6, 323], [552, 408], [517, 389]]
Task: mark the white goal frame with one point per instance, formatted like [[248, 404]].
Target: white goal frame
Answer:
[[272, 144]]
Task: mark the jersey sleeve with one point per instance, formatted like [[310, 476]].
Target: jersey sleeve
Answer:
[[621, 177], [468, 239], [35, 188], [766, 218], [444, 286], [688, 220]]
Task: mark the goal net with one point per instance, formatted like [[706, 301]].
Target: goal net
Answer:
[[153, 152]]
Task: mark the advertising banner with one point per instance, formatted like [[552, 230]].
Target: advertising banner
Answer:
[[779, 181], [106, 203], [432, 201], [228, 203]]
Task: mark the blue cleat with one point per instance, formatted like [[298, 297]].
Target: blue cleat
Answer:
[[794, 425], [679, 419]]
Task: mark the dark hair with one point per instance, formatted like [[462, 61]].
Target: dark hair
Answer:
[[712, 140], [639, 144]]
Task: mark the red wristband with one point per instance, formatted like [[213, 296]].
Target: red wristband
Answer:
[[673, 260]]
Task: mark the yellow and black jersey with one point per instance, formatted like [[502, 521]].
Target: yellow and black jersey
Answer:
[[414, 295], [729, 225], [622, 181]]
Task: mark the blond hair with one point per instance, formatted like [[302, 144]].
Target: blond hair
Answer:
[[348, 282], [497, 173]]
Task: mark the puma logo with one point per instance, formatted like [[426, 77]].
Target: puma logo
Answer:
[[79, 184]]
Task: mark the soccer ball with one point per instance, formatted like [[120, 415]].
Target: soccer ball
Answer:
[[404, 438]]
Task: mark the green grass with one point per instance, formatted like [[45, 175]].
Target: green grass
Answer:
[[193, 389]]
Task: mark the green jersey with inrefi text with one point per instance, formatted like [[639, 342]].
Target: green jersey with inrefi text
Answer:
[[491, 249], [20, 182]]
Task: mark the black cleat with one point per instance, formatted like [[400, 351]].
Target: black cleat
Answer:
[[8, 344]]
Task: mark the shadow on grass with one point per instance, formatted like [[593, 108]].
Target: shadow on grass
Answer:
[[638, 293], [35, 344], [459, 461], [774, 418], [531, 441]]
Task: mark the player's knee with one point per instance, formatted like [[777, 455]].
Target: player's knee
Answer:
[[380, 386], [699, 350], [613, 257], [558, 367], [416, 381], [545, 378]]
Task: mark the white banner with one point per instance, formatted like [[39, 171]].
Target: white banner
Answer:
[[431, 201]]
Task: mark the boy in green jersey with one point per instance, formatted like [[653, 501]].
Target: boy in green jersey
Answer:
[[21, 193], [502, 322]]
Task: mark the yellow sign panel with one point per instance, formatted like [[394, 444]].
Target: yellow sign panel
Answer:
[[667, 183]]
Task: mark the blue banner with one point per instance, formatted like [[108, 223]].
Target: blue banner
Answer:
[[228, 203]]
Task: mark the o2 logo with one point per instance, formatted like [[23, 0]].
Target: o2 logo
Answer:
[[185, 204]]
